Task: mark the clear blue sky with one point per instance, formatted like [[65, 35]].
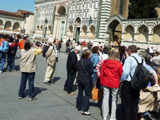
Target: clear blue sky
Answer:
[[14, 5]]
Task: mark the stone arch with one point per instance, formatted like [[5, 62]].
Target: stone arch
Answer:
[[7, 25], [140, 25], [16, 26], [117, 18], [84, 31], [143, 34], [114, 28], [156, 34], [1, 24], [61, 11], [92, 31], [129, 36]]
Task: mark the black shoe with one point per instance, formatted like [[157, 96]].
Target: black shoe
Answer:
[[47, 83]]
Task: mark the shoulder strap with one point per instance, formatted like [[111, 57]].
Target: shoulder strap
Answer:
[[84, 67], [137, 60]]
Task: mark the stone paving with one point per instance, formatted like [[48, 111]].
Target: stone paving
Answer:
[[52, 104]]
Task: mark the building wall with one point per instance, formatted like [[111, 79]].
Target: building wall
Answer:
[[87, 12], [28, 23], [43, 20], [10, 24]]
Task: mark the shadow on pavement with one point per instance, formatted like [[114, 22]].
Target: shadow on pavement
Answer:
[[37, 90], [56, 79]]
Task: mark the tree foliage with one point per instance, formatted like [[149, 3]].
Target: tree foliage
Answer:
[[142, 9]]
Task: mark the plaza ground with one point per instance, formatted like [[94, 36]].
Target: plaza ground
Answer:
[[52, 104]]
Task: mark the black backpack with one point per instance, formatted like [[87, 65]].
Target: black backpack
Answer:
[[12, 50], [141, 77], [45, 49]]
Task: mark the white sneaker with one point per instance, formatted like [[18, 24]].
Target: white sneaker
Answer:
[[86, 113], [104, 118], [0, 71]]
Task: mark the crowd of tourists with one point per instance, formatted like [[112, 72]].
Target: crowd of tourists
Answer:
[[112, 71], [118, 71]]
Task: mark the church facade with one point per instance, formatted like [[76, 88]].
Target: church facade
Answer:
[[95, 21]]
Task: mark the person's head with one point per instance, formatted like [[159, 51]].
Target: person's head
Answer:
[[77, 49], [114, 55], [27, 45], [132, 49], [148, 57], [86, 53], [25, 37], [95, 49], [106, 50], [56, 42]]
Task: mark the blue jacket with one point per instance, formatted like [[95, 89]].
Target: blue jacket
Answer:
[[94, 59]]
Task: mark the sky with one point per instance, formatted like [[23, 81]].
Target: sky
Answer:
[[14, 5]]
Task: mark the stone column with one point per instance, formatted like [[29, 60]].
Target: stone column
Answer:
[[150, 36]]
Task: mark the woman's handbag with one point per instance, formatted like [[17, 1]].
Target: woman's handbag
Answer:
[[96, 93]]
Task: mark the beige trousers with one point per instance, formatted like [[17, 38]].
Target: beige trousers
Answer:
[[50, 73]]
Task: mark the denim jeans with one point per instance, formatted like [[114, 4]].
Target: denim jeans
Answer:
[[2, 58], [24, 77], [83, 101], [11, 63], [94, 78], [105, 103], [69, 82]]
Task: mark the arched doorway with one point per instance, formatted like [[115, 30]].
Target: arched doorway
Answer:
[[77, 28], [16, 27], [115, 33], [156, 36], [7, 26], [61, 11], [143, 34], [129, 33], [60, 22], [1, 24]]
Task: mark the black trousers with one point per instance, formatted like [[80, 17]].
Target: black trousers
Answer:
[[130, 99], [69, 87], [83, 100]]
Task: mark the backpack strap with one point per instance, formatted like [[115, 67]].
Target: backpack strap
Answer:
[[137, 60]]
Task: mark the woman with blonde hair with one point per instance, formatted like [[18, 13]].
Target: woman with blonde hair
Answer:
[[84, 80], [111, 72]]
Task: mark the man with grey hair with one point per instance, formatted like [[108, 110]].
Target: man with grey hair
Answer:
[[51, 60], [71, 70], [129, 95]]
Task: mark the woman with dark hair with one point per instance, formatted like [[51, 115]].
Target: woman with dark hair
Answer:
[[28, 66], [84, 79], [122, 51]]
